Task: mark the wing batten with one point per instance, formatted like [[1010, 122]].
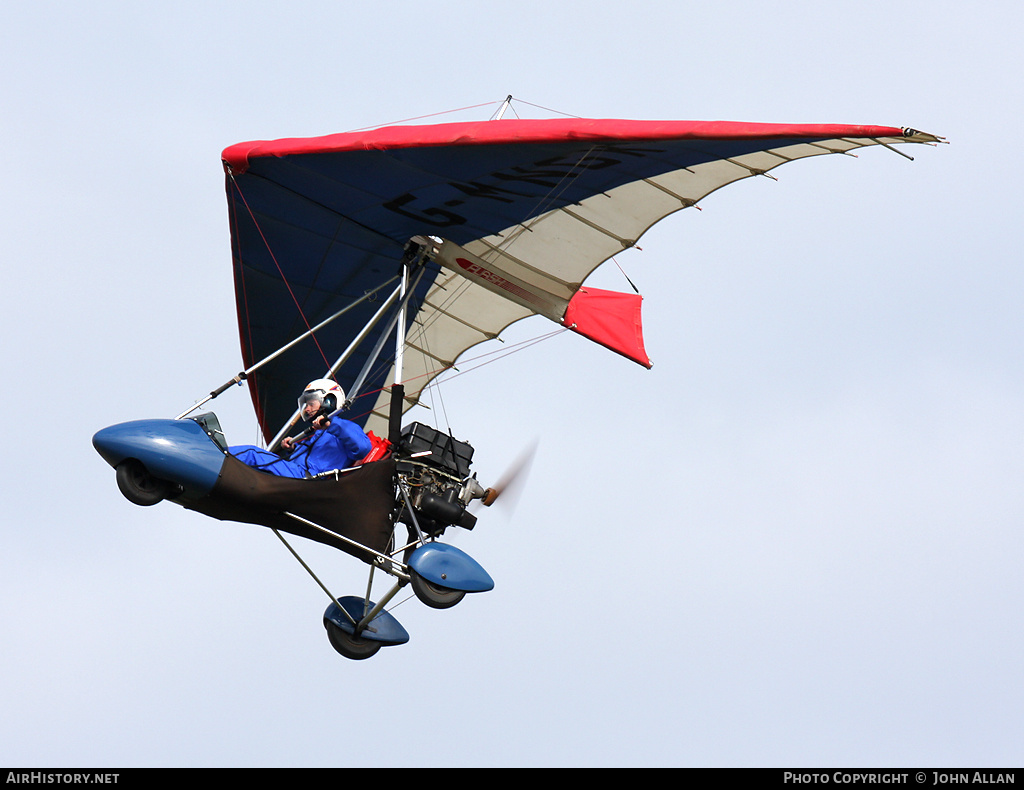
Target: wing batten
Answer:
[[625, 243], [493, 250]]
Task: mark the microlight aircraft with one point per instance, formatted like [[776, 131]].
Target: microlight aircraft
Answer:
[[377, 259]]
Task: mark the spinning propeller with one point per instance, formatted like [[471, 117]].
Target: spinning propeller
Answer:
[[510, 483]]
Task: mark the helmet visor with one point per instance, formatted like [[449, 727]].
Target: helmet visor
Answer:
[[306, 399]]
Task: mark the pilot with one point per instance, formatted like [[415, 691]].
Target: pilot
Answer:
[[335, 443]]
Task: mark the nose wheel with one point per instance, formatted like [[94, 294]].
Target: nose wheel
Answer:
[[138, 485]]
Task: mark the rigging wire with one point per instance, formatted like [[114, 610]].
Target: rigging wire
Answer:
[[424, 341], [437, 390], [509, 99], [417, 338], [421, 117], [547, 109], [623, 272], [548, 199], [418, 333], [237, 256], [284, 279], [551, 194], [497, 354]]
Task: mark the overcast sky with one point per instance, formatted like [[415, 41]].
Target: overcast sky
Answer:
[[796, 541]]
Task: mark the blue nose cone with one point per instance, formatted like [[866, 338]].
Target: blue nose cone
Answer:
[[176, 450]]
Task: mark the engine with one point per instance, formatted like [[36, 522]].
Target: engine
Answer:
[[434, 467]]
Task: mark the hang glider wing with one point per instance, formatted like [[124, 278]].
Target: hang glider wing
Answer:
[[523, 212]]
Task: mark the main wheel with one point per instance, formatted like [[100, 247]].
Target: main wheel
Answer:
[[350, 646], [138, 485], [433, 595]]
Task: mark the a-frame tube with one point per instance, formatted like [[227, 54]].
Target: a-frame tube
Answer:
[[342, 359], [398, 387], [253, 368], [372, 359]]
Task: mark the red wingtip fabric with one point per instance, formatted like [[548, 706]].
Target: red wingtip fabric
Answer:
[[611, 319]]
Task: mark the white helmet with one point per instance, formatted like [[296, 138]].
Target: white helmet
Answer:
[[326, 392]]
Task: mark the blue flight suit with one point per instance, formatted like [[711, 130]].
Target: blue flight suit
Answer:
[[338, 446]]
